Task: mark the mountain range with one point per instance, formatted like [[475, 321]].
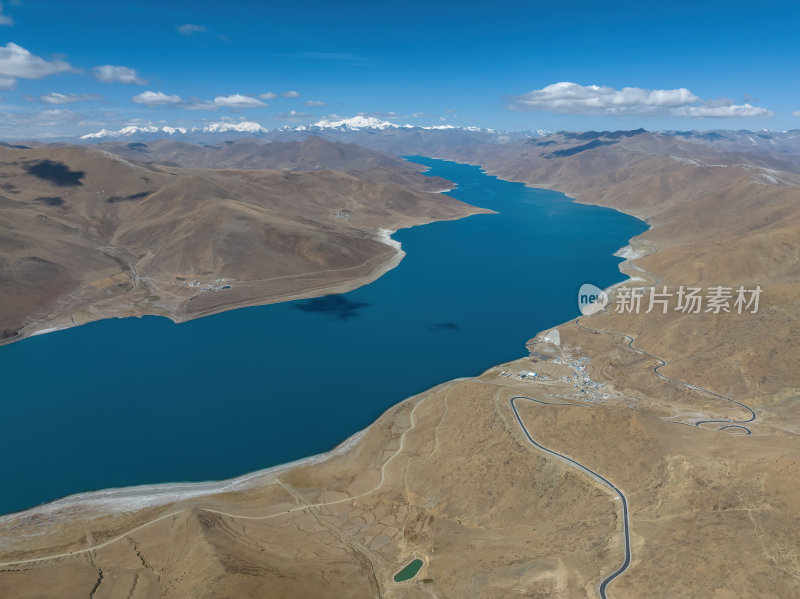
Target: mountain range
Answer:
[[356, 123], [774, 149]]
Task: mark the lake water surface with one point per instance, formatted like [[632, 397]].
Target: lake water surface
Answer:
[[141, 400]]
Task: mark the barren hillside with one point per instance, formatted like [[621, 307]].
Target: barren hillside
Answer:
[[85, 234], [692, 417]]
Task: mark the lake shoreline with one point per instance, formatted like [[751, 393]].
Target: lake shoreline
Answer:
[[62, 322], [139, 497], [126, 494]]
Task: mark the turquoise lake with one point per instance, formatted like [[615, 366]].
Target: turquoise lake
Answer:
[[141, 400]]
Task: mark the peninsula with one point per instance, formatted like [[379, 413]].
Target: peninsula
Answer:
[[88, 235]]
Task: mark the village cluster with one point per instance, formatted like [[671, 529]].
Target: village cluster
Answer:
[[217, 285], [586, 388]]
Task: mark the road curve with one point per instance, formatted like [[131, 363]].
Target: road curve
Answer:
[[598, 477], [729, 423]]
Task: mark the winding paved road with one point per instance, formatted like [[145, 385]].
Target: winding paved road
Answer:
[[730, 423], [598, 477]]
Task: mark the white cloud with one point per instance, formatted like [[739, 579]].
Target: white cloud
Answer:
[[58, 98], [198, 104], [268, 96], [232, 101], [155, 98], [238, 101], [56, 116], [572, 98], [314, 103], [294, 115], [796, 113], [4, 18], [291, 94], [190, 29], [110, 73], [7, 82], [51, 122], [732, 110], [17, 62]]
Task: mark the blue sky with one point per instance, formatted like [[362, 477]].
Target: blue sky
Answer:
[[508, 65]]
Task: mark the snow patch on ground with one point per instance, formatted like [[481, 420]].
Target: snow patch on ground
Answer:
[[385, 237], [629, 253], [50, 330]]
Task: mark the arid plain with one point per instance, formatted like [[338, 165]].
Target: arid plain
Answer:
[[450, 477]]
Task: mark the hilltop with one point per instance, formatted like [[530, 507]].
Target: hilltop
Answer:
[[87, 234]]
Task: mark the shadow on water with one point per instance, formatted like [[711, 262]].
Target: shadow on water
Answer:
[[334, 306], [443, 326]]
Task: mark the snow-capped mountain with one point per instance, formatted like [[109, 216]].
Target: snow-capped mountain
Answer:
[[357, 122], [132, 130], [366, 131], [243, 127], [368, 122], [135, 130]]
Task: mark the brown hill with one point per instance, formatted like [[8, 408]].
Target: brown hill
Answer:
[[563, 157], [311, 154], [717, 218], [86, 234]]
